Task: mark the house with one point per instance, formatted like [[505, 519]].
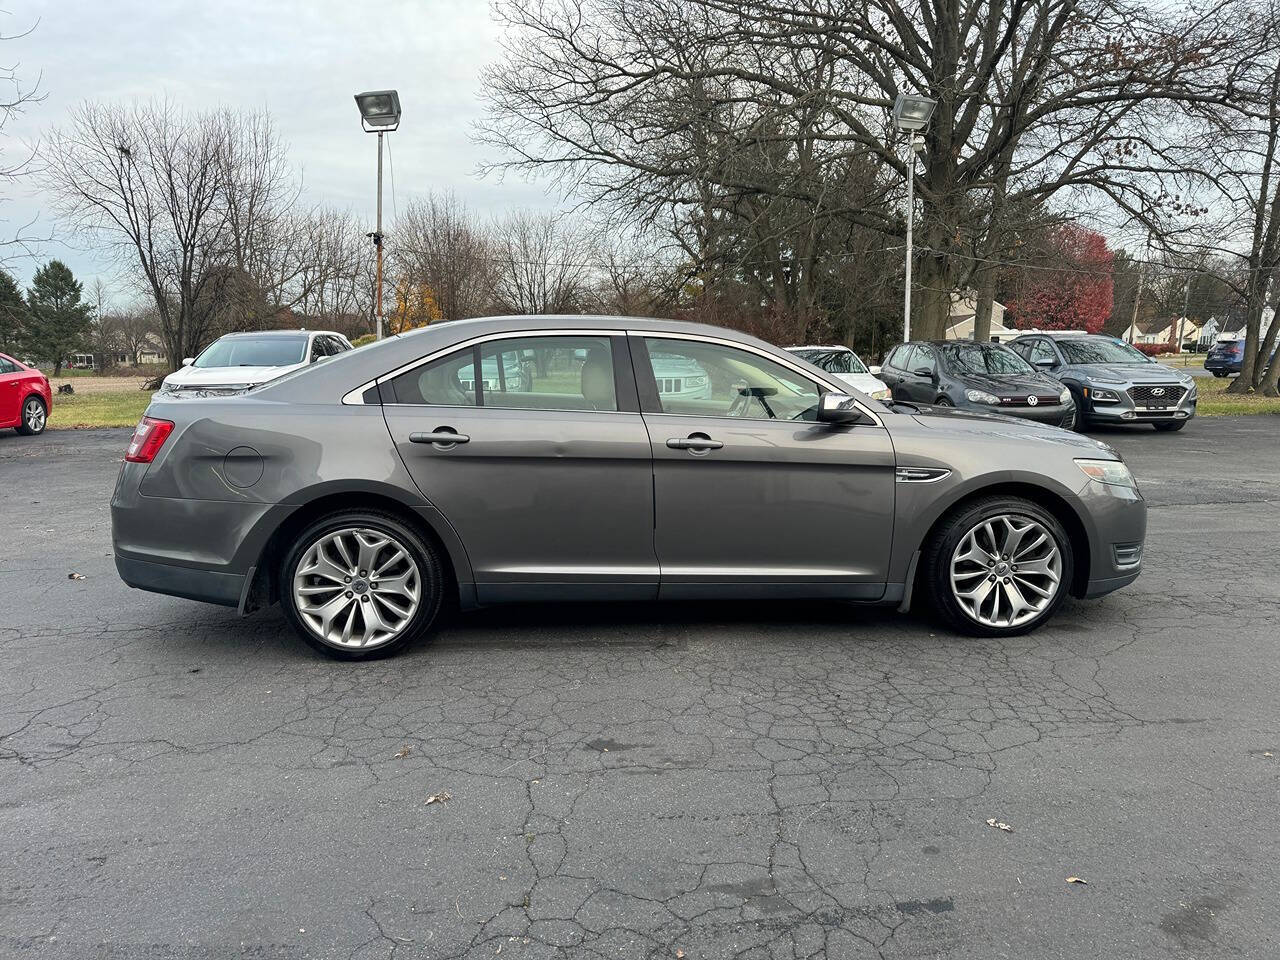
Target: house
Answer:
[[1234, 327], [1157, 330], [964, 314], [151, 352]]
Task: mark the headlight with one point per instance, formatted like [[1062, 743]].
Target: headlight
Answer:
[[1108, 471], [882, 394], [981, 396], [1102, 396], [1064, 396]]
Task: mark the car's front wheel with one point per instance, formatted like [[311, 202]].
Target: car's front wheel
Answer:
[[34, 417], [998, 566], [361, 584]]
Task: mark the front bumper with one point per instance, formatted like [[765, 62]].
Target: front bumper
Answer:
[[1116, 518], [1126, 410], [1055, 415]]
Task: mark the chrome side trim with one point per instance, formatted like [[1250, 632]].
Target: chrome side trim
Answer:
[[920, 474]]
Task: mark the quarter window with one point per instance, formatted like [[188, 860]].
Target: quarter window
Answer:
[[695, 378]]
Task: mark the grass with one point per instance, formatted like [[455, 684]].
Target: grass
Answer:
[[1216, 402], [1182, 360], [106, 409]]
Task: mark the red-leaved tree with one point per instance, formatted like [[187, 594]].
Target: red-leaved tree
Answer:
[[1070, 288]]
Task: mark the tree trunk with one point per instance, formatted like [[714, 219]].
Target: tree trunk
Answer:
[[982, 309], [57, 368], [930, 300], [1244, 381]]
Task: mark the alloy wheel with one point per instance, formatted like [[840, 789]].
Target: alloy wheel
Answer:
[[1006, 570], [34, 416], [357, 588]]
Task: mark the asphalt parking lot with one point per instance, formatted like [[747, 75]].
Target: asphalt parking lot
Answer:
[[769, 781]]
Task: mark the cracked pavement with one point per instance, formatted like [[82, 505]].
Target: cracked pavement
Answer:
[[726, 780]]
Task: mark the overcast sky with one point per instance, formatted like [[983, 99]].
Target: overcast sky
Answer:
[[301, 59]]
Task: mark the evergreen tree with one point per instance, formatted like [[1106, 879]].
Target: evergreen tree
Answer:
[[13, 314], [58, 323]]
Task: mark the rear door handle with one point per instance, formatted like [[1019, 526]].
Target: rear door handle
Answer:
[[440, 435], [696, 443]]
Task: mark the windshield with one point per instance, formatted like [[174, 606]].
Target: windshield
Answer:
[[1100, 350], [254, 352], [834, 361], [985, 358]]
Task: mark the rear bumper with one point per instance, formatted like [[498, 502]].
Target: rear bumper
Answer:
[[208, 586]]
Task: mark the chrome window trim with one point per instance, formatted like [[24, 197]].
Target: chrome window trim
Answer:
[[835, 385], [355, 398]]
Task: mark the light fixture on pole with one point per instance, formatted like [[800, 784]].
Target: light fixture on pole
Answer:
[[379, 113], [911, 113]]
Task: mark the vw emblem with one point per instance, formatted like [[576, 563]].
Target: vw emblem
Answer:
[[1032, 401], [1158, 392]]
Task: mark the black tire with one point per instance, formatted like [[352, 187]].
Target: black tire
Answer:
[[1218, 374], [22, 427], [431, 577], [1078, 423], [935, 562], [1169, 426], [943, 402]]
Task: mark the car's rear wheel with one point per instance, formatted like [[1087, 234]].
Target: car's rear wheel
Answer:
[[943, 402], [1167, 426], [34, 417], [998, 567], [361, 584]]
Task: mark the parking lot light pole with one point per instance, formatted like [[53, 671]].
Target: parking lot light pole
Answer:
[[911, 114], [379, 113]]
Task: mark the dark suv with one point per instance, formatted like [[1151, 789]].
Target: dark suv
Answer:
[[1113, 382], [976, 376]]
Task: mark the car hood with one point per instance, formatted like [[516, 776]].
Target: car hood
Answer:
[[865, 382], [1011, 385], [198, 378], [958, 420], [1129, 372]]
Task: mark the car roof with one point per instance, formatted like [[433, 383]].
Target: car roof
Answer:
[[837, 346], [274, 333], [1065, 334]]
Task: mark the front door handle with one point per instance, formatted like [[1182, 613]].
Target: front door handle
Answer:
[[694, 443], [442, 435]]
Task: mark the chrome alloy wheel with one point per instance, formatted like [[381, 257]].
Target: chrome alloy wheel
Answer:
[[33, 415], [357, 587], [1006, 570]]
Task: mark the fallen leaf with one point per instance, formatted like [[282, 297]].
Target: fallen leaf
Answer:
[[679, 955], [75, 576], [441, 797], [1267, 753], [403, 752], [1076, 880], [999, 825]]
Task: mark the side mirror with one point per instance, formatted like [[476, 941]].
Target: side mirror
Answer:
[[1046, 364], [923, 372], [874, 371], [188, 361], [838, 408]]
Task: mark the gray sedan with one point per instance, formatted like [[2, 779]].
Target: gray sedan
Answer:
[[367, 493]]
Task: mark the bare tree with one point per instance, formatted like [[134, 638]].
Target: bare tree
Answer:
[[14, 97], [150, 182], [439, 243], [542, 264], [714, 104]]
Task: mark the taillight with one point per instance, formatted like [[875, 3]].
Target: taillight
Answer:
[[148, 437]]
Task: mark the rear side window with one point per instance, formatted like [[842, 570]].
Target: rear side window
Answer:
[[898, 357], [525, 373], [7, 367]]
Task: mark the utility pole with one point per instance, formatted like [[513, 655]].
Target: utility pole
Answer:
[[377, 242], [1137, 297], [911, 216], [1186, 305]]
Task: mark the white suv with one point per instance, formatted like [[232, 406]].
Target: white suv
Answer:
[[238, 361], [846, 365]]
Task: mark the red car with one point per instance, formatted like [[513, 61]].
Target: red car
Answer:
[[25, 397]]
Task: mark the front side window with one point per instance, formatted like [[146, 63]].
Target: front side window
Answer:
[[528, 373], [7, 366], [922, 358], [1039, 352], [695, 378], [254, 352]]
